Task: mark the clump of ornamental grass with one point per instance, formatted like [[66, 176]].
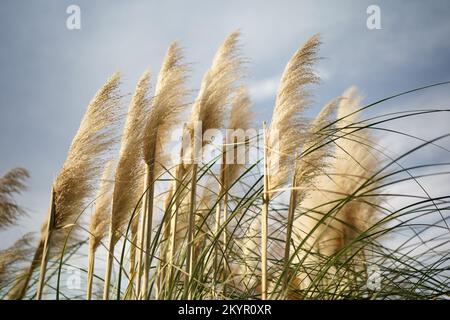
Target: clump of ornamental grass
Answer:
[[208, 111]]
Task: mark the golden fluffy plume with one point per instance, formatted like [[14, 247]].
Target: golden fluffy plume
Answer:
[[241, 118], [285, 134], [316, 152], [167, 106], [129, 170], [217, 86], [354, 161], [74, 185], [95, 137]]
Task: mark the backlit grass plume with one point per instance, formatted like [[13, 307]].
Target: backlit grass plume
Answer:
[[167, 107], [209, 110], [285, 134], [339, 195], [328, 200], [355, 161], [12, 183], [234, 155], [75, 183], [288, 125], [127, 187], [312, 162]]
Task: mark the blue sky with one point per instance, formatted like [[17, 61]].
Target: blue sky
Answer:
[[49, 73]]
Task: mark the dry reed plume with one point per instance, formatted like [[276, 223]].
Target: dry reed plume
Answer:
[[209, 109], [306, 227], [167, 108], [12, 183], [313, 161], [352, 164], [73, 186], [234, 154], [288, 125], [128, 172], [241, 119], [285, 134]]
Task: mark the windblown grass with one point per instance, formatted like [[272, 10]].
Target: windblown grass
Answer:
[[315, 212]]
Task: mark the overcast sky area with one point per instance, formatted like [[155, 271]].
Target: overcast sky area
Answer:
[[49, 73]]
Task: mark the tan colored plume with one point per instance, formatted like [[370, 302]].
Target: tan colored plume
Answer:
[[95, 137], [10, 184], [167, 107], [165, 114], [316, 152], [354, 161], [129, 171], [285, 133], [218, 85], [241, 118], [75, 183]]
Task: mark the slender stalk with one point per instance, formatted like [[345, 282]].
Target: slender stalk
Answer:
[[290, 222], [164, 250], [219, 209], [148, 200], [216, 249], [224, 195], [226, 268], [134, 246], [264, 221], [173, 227], [133, 266], [45, 252], [174, 217], [142, 243], [225, 233], [191, 219], [90, 274], [109, 265]]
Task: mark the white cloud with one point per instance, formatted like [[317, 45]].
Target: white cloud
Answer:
[[264, 89]]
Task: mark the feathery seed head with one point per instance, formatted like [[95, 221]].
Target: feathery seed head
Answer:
[[285, 133], [95, 137], [129, 171], [167, 107]]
